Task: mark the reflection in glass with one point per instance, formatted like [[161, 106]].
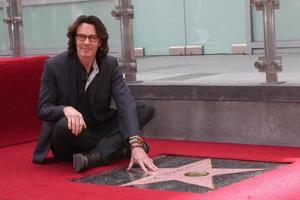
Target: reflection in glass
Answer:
[[45, 26]]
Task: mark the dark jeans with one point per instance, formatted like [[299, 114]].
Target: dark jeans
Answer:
[[65, 144]]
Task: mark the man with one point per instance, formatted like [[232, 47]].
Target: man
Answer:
[[75, 104]]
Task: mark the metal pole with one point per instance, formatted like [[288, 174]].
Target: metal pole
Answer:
[[125, 13], [15, 23], [271, 63], [7, 20]]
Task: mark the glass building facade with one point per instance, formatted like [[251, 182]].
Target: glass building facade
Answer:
[[217, 25]]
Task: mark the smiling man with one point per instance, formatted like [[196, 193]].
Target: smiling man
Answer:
[[79, 123]]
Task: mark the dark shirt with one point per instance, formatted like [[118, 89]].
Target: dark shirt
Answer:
[[83, 105]]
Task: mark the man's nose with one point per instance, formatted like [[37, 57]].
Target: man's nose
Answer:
[[87, 40]]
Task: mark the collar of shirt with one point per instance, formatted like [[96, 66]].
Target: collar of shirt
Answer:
[[92, 75]]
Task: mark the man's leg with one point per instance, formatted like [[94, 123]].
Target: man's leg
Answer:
[[145, 114], [64, 144], [113, 143]]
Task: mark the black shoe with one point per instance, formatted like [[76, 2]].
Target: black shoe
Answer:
[[83, 161]]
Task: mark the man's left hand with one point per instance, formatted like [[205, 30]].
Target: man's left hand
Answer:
[[139, 156]]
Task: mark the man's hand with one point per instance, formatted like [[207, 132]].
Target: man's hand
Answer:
[[75, 120], [139, 156]]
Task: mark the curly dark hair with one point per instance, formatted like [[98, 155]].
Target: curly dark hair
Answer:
[[100, 30]]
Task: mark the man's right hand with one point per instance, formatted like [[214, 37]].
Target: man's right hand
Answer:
[[75, 119]]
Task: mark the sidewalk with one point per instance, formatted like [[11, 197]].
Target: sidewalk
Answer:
[[213, 70]]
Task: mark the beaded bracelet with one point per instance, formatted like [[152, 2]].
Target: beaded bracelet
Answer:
[[135, 139], [139, 145]]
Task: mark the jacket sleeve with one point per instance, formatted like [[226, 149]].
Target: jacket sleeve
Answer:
[[126, 106], [49, 110]]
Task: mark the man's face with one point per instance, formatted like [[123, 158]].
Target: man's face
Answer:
[[87, 41]]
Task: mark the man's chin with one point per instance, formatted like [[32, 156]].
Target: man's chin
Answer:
[[86, 55]]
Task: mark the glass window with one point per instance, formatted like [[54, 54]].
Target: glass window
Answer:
[[4, 36], [45, 25], [286, 18]]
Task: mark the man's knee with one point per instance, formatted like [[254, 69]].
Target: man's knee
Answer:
[[61, 127], [62, 124], [145, 114]]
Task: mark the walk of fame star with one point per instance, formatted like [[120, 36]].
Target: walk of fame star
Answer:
[[201, 173], [182, 173]]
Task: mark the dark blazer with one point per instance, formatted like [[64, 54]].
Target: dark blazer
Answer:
[[58, 90]]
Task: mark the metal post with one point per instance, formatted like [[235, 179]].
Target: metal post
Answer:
[[271, 63], [125, 13], [15, 23]]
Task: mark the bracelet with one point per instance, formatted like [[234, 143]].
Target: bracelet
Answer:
[[140, 146], [135, 139]]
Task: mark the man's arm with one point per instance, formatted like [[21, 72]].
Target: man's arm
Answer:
[[126, 106], [128, 119], [49, 110]]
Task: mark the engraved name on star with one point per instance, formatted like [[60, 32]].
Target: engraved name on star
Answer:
[[203, 167]]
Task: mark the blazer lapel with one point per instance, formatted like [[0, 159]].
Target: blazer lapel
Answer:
[[73, 82]]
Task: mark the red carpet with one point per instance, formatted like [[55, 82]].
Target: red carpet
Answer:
[[20, 179], [20, 82]]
